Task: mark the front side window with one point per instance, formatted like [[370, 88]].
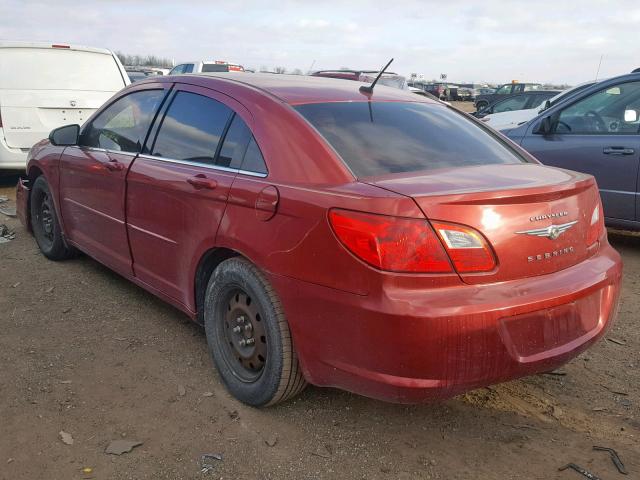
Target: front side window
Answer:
[[177, 70], [191, 128], [123, 125], [612, 110], [188, 68], [514, 103], [379, 138], [504, 90]]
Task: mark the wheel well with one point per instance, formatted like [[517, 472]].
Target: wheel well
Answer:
[[208, 263]]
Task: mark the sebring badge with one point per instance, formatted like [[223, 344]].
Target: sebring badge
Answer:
[[551, 232]]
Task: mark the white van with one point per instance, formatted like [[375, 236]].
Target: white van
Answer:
[[44, 86]]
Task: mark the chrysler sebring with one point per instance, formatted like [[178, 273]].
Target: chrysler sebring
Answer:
[[375, 241]]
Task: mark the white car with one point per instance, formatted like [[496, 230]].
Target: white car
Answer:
[[513, 118], [44, 86], [206, 66]]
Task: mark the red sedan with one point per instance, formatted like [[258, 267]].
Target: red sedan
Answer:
[[377, 242]]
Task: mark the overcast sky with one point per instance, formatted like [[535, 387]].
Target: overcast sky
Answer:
[[488, 40]]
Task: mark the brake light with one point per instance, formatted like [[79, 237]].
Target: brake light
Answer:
[[596, 226], [0, 119], [60, 46], [467, 248], [390, 243]]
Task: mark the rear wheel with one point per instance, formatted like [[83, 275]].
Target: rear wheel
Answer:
[[249, 337], [45, 224], [481, 105]]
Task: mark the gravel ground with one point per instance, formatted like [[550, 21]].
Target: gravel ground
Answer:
[[85, 352]]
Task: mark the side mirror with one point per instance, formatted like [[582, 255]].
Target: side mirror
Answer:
[[547, 125], [546, 105], [630, 116], [66, 136]]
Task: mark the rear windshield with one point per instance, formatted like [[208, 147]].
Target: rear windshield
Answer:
[[58, 69], [378, 138]]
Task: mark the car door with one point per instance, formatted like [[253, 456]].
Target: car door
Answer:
[[591, 135], [92, 177], [177, 191]]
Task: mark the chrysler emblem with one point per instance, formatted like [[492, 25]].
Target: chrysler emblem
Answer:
[[73, 103], [551, 232]]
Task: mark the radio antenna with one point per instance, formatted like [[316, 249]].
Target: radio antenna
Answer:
[[369, 88]]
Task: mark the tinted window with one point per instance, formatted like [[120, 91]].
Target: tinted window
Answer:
[[191, 128], [253, 160], [388, 137], [514, 103], [123, 125], [235, 144], [608, 111], [215, 67], [188, 68]]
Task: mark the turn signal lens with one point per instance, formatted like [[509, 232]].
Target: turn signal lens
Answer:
[[596, 227], [390, 243], [467, 248]]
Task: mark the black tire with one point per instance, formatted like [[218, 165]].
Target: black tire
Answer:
[[45, 224], [241, 305], [481, 105]]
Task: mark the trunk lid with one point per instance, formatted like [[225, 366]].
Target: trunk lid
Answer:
[[28, 116], [507, 203]]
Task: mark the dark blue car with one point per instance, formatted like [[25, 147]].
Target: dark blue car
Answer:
[[596, 131]]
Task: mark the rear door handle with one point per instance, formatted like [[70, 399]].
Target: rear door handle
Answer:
[[114, 166], [618, 151], [201, 181]]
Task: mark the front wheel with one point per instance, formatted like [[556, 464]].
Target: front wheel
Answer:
[[481, 105], [248, 335], [45, 224]]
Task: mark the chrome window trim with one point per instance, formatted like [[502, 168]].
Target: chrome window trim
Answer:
[[106, 150], [205, 165]]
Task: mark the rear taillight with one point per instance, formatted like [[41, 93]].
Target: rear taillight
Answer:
[[390, 243], [0, 119], [467, 248], [596, 226]]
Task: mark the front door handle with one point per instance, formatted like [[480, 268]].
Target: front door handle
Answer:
[[201, 181], [618, 151], [114, 166]]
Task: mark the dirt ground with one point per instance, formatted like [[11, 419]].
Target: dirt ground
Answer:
[[85, 352]]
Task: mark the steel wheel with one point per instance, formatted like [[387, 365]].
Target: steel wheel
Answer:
[[44, 222], [246, 340]]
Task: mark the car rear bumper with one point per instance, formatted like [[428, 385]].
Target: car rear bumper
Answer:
[[410, 346], [11, 158]]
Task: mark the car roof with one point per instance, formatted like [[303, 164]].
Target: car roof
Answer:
[[61, 46], [299, 89]]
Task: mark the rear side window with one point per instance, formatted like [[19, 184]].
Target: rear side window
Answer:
[[378, 138], [215, 67], [192, 128], [235, 144], [253, 160], [123, 125], [240, 149]]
